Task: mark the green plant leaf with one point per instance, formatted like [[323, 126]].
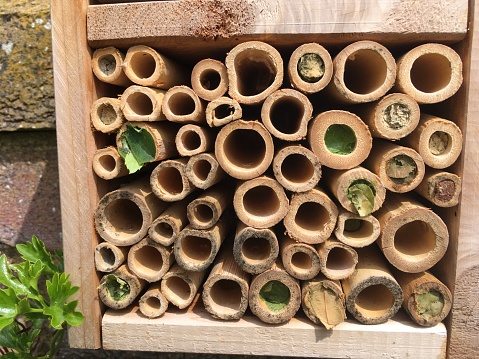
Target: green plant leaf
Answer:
[[362, 196], [29, 275], [340, 139], [16, 338], [275, 295], [137, 147], [36, 250], [8, 307], [8, 280]]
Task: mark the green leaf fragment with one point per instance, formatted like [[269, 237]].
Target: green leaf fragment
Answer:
[[116, 287], [340, 139], [137, 147], [361, 193], [36, 250], [275, 295], [59, 290], [429, 304]]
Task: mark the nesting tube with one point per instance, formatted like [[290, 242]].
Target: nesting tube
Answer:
[[286, 114], [108, 164], [429, 73], [310, 68], [204, 171], [153, 303], [193, 139], [169, 181], [440, 187], [107, 65], [223, 110], [255, 71], [140, 103], [168, 225], [339, 139], [356, 231], [209, 79], [300, 260], [109, 257], [182, 105], [106, 115], [338, 260]]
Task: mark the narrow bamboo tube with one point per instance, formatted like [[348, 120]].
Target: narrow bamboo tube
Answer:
[[323, 301], [209, 79], [429, 73], [372, 294], [244, 149], [149, 260], [255, 71], [274, 296], [310, 68], [296, 168], [356, 231], [260, 202], [123, 216], [169, 182], [109, 257], [119, 289], [140, 103], [146, 67], [203, 170], [401, 169], [106, 115], [286, 113], [153, 303], [441, 188], [363, 72], [223, 110], [192, 140], [179, 286], [300, 260], [182, 105], [413, 238], [437, 140], [168, 225], [340, 139], [108, 164], [255, 250], [107, 65], [338, 260], [311, 216]]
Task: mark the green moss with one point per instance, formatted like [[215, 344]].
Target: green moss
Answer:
[[401, 169], [352, 224], [361, 193], [429, 304], [137, 147], [117, 288], [310, 67], [340, 139], [275, 295]]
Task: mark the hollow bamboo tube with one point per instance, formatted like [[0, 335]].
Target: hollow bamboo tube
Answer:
[[182, 105], [255, 250], [356, 231], [255, 71], [179, 286], [437, 140], [123, 216], [244, 149], [192, 140], [340, 139], [203, 170], [209, 79], [223, 110], [106, 115], [260, 202], [401, 169], [338, 260], [107, 65], [149, 260], [429, 73], [300, 260], [153, 303], [146, 67], [119, 289], [440, 187], [310, 68], [323, 301], [109, 257], [413, 238], [169, 182], [140, 103], [286, 113], [168, 225], [311, 216], [296, 168], [372, 294], [274, 296], [108, 164]]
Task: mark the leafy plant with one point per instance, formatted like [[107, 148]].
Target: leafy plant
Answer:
[[34, 299], [137, 147]]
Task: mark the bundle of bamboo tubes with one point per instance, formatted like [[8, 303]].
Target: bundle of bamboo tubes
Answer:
[[309, 189]]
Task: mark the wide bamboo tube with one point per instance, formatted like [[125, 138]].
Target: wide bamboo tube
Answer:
[[440, 187], [153, 303], [260, 202], [169, 181], [223, 110], [106, 115], [108, 164], [356, 231], [168, 225], [209, 79], [107, 65], [255, 71], [339, 139], [300, 260], [182, 105], [372, 294], [204, 171], [311, 216], [244, 149], [338, 260], [310, 68], [413, 238], [192, 140], [429, 73], [146, 67], [109, 257], [286, 113], [274, 296], [140, 103]]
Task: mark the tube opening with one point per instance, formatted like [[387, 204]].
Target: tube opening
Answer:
[[255, 72], [164, 230], [204, 213], [181, 104], [286, 115], [357, 229], [142, 64], [440, 143], [365, 71], [429, 303], [116, 287], [256, 250], [107, 64], [431, 73], [223, 111], [301, 261], [401, 169], [415, 239], [444, 190], [374, 301], [340, 139], [107, 256], [139, 103], [152, 303], [245, 148], [226, 296], [297, 168], [261, 201], [340, 261], [310, 67], [210, 79], [123, 216], [311, 216], [196, 249], [191, 140], [396, 116], [202, 169], [106, 113], [275, 295], [170, 180], [107, 162], [179, 290], [148, 260]]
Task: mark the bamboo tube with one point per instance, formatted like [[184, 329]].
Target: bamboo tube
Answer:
[[413, 238], [124, 215], [108, 164], [363, 72], [169, 182], [323, 301], [441, 188], [244, 149], [209, 79], [337, 260], [119, 289], [429, 73], [356, 231], [109, 257], [311, 216], [438, 141], [339, 139], [286, 113], [255, 71], [149, 260], [106, 115], [274, 296], [192, 140], [372, 294], [146, 67], [310, 68], [140, 103], [182, 105], [296, 168], [167, 226], [223, 110], [300, 260], [260, 202], [203, 170], [401, 169], [255, 250], [179, 286], [107, 65], [153, 303]]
